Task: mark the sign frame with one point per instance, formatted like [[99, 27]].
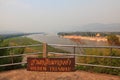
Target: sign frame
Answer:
[[51, 64]]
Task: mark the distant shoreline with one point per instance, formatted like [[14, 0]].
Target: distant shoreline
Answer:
[[98, 39]]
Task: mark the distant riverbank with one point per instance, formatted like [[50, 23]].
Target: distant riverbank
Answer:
[[54, 39], [98, 39]]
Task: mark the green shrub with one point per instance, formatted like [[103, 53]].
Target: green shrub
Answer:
[[9, 60], [101, 61]]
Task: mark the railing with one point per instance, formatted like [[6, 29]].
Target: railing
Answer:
[[45, 53], [83, 55], [17, 55]]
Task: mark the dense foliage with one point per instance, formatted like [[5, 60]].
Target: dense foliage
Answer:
[[9, 60], [100, 61], [113, 40]]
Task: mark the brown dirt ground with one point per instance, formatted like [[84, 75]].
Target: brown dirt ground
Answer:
[[23, 74]]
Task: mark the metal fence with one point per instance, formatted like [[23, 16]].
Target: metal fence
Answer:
[[74, 54]]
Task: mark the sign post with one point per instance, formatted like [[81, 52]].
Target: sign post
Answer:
[[51, 64], [45, 52]]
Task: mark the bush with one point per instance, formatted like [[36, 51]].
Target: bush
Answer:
[[101, 61], [9, 60], [113, 40]]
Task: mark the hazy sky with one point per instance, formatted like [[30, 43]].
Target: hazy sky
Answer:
[[56, 15]]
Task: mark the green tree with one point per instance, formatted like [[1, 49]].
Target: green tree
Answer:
[[113, 40]]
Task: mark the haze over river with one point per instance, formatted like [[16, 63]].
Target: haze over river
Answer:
[[54, 39]]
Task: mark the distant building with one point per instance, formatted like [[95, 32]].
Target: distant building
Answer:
[[98, 35]]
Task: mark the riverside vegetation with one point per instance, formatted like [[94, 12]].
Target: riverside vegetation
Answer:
[[113, 40], [89, 60], [19, 41], [100, 61]]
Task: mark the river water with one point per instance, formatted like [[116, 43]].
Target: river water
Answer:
[[50, 39], [54, 39]]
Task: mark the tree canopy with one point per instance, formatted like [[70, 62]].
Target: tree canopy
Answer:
[[113, 40]]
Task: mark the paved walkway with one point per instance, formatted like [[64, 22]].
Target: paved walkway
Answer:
[[22, 74]]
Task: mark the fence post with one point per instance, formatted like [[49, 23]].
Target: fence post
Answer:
[[11, 54], [74, 51], [45, 52]]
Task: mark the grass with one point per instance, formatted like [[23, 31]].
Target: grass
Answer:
[[101, 51], [89, 51], [19, 41], [100, 61]]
